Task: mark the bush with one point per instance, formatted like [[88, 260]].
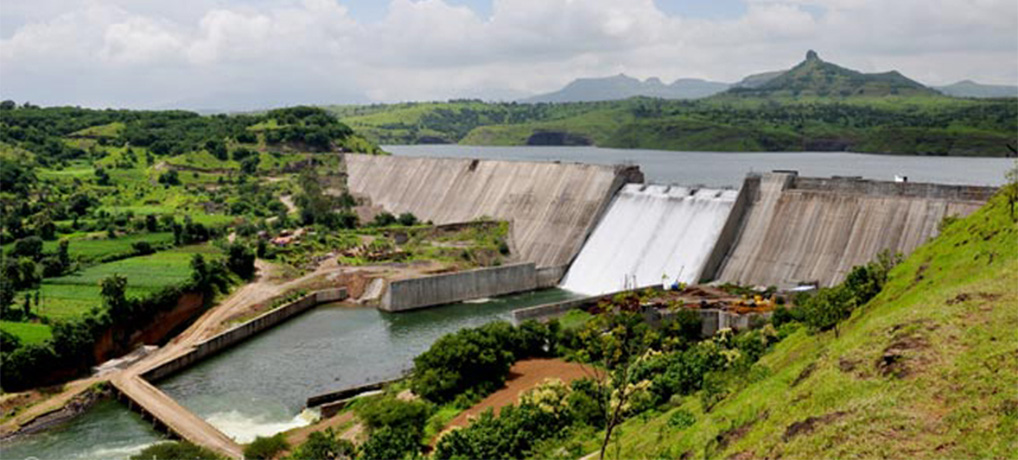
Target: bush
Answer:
[[391, 444], [263, 448], [541, 414], [476, 360], [323, 445], [407, 219], [681, 419], [176, 450], [383, 219], [142, 247], [241, 260], [389, 411]]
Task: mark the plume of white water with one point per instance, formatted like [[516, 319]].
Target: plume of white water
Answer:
[[650, 235]]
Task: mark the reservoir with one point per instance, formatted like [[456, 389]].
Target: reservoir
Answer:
[[727, 169]]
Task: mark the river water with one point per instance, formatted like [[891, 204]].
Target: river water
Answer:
[[727, 169], [259, 387], [106, 431]]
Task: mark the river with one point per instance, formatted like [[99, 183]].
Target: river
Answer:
[[727, 169], [259, 387]]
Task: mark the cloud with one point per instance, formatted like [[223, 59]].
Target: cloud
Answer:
[[248, 54]]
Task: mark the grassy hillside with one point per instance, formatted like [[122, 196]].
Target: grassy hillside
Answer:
[[927, 369]]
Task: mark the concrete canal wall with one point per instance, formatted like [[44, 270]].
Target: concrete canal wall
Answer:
[[551, 207], [798, 229], [413, 293], [243, 331]]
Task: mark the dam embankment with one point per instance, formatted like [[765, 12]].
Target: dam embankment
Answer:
[[552, 207], [427, 291], [803, 230], [651, 234]]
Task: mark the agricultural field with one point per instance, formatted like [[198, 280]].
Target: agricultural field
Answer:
[[72, 295], [27, 333]]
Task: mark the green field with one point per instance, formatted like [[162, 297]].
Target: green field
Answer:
[[95, 246], [947, 318], [71, 295], [28, 333]]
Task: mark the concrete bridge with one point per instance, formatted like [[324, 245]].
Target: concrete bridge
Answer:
[[170, 417]]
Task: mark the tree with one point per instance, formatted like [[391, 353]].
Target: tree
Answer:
[[249, 165], [241, 260], [63, 254], [28, 274], [113, 290], [200, 272], [324, 445], [151, 224], [1011, 187], [30, 247], [407, 219], [266, 448], [171, 177]]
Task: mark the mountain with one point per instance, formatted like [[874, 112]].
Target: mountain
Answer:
[[756, 80], [624, 87], [816, 77], [969, 88]]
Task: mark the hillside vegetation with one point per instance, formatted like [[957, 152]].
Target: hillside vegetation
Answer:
[[927, 369], [815, 106]]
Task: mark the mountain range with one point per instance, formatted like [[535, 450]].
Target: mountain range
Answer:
[[811, 77]]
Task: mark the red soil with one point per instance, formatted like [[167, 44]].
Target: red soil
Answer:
[[523, 376]]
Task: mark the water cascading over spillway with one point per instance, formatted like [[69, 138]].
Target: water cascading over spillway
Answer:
[[651, 234]]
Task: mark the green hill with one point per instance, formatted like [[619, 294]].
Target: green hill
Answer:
[[927, 369], [815, 77]]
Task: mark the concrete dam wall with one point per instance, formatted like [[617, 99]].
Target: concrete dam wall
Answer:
[[651, 234], [798, 229], [551, 207], [427, 291]]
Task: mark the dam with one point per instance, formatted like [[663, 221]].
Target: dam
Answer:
[[651, 234], [551, 207], [814, 230]]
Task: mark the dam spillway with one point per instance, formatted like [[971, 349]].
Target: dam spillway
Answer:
[[649, 235], [804, 230], [551, 207]]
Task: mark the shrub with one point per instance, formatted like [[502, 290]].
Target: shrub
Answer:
[[392, 412], [241, 260], [391, 444], [476, 360], [681, 419], [407, 219], [176, 450], [541, 414], [323, 445], [142, 247], [263, 448], [383, 219]]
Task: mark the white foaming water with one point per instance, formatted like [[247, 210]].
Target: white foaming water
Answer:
[[243, 428], [651, 235]]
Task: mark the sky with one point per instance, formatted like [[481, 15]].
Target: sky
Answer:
[[249, 54]]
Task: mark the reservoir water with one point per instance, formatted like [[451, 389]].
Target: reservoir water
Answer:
[[727, 169]]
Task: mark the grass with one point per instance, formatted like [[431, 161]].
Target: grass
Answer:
[[948, 310], [28, 333], [574, 319], [71, 295]]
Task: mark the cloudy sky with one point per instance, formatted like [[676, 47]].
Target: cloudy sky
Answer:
[[242, 54]]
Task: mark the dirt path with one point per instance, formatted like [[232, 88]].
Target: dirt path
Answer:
[[524, 375]]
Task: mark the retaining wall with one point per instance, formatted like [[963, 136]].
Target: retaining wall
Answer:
[[243, 331], [729, 233], [409, 294], [552, 207]]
